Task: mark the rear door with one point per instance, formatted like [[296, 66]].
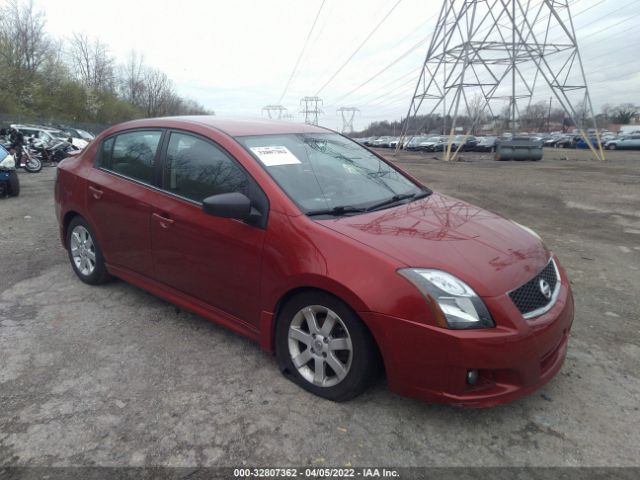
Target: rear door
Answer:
[[216, 260], [120, 191]]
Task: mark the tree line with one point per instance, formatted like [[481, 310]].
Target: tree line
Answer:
[[76, 79], [537, 117]]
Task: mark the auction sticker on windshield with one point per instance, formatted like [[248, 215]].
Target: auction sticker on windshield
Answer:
[[275, 155]]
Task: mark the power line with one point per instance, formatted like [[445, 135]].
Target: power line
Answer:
[[401, 57], [359, 48], [608, 13], [304, 47]]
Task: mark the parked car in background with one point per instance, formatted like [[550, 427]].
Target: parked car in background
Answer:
[[393, 143], [414, 143], [567, 141], [433, 144], [467, 143], [77, 133], [381, 142], [627, 142], [486, 144], [582, 144], [215, 216], [551, 141]]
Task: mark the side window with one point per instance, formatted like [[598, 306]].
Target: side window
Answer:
[[104, 156], [131, 154], [196, 169]]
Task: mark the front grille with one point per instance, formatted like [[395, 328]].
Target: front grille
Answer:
[[529, 299]]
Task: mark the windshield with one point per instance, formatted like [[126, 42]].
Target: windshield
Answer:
[[85, 135], [58, 134], [325, 171]]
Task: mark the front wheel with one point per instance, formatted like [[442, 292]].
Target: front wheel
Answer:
[[611, 146], [85, 254], [32, 164], [14, 184], [324, 347]]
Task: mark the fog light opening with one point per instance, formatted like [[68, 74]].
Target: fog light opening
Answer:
[[472, 377]]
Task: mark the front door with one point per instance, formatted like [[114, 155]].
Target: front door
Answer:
[[217, 260]]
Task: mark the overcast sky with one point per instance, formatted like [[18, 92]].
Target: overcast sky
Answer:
[[235, 56]]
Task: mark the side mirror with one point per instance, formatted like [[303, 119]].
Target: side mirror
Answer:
[[230, 205]]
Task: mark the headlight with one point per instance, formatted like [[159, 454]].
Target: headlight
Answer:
[[454, 303], [8, 163], [529, 230]]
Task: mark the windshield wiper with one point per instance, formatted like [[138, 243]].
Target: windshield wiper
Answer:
[[336, 211], [398, 198]]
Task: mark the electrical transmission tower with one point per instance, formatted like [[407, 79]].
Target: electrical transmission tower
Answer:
[[492, 59], [274, 111], [347, 114], [311, 107]]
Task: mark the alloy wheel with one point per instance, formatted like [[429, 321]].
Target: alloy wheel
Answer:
[[320, 346], [83, 250]]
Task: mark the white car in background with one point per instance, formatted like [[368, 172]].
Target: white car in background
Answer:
[[50, 134]]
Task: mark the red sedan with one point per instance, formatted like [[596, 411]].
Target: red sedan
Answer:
[[323, 252]]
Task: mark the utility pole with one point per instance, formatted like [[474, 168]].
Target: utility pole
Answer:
[[312, 108], [274, 111], [507, 50], [348, 114]]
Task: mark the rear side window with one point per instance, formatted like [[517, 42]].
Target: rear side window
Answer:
[[132, 154], [197, 169]]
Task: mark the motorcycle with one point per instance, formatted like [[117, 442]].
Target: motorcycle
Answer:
[[27, 161], [24, 159], [9, 182], [52, 152]]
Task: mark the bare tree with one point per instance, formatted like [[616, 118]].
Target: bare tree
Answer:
[[132, 78], [92, 62], [158, 92], [476, 112], [24, 44], [624, 113], [535, 116]]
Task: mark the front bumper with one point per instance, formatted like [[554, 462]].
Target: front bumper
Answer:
[[513, 359]]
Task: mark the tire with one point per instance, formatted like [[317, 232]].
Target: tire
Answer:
[[84, 252], [32, 165], [347, 373], [14, 184], [611, 146]]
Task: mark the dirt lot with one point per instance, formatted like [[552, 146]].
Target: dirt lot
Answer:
[[114, 376]]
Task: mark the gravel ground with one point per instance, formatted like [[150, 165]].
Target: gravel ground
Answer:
[[113, 376]]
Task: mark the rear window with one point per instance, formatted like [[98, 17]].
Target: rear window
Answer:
[[131, 154]]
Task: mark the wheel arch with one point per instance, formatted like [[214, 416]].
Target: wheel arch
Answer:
[[66, 221], [269, 343]]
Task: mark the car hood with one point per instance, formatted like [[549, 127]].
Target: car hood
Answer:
[[490, 253]]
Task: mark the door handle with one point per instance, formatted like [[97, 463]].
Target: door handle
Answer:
[[96, 192], [163, 221]]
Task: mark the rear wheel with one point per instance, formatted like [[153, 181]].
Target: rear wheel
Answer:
[[85, 254], [324, 347], [611, 146]]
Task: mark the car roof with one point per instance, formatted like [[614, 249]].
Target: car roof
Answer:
[[235, 127], [34, 127]]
